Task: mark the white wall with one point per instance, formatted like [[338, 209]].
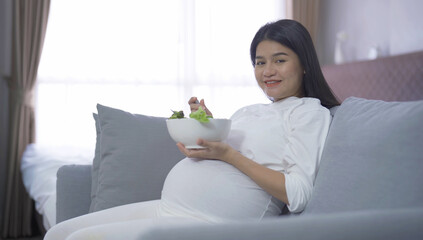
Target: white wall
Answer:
[[406, 33], [392, 25]]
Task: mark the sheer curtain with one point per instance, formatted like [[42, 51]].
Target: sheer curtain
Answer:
[[145, 57]]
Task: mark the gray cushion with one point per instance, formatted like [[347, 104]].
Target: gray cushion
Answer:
[[136, 153], [96, 163], [73, 191], [373, 158]]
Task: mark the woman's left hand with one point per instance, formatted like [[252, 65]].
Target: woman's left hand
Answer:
[[212, 150]]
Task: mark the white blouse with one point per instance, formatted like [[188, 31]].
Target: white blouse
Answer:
[[287, 136]]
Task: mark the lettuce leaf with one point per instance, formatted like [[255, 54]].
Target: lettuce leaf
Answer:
[[200, 115], [177, 114]]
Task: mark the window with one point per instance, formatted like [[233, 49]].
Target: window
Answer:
[[145, 57]]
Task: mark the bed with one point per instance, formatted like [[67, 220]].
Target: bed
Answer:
[[395, 77], [39, 167]]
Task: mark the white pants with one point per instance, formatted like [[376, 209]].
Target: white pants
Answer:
[[122, 222]]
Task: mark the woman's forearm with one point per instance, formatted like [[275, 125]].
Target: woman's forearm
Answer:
[[270, 180]]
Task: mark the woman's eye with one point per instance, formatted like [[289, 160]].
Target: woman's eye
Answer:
[[280, 61], [259, 63]]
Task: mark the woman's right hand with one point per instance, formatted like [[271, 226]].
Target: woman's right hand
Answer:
[[194, 104]]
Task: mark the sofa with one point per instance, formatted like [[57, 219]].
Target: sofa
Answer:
[[369, 184]]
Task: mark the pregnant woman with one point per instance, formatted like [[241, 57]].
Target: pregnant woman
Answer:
[[269, 160]]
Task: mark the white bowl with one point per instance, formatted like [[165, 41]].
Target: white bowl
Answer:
[[187, 130]]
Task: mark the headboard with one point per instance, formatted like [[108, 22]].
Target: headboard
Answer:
[[394, 78]]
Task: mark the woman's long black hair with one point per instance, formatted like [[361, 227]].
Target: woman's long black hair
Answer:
[[295, 36]]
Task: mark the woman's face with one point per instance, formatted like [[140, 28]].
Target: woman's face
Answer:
[[278, 71]]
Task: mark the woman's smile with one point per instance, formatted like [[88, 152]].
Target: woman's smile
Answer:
[[272, 83]]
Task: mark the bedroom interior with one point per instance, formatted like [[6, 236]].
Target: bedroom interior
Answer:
[[382, 32]]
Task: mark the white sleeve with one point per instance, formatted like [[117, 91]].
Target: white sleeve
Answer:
[[306, 139]]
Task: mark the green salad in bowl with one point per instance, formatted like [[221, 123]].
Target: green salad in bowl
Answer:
[[199, 125], [199, 115]]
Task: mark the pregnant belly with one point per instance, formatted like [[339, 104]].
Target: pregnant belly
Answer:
[[214, 191]]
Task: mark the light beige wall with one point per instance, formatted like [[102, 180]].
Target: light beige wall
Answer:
[[392, 25]]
